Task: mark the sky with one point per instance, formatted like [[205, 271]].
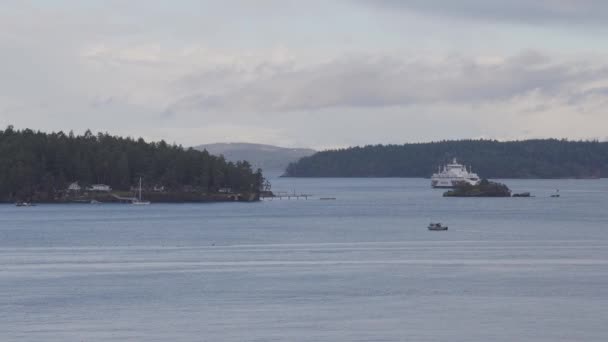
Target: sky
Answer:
[[320, 74]]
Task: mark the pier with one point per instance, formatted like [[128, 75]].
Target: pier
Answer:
[[125, 199], [286, 195]]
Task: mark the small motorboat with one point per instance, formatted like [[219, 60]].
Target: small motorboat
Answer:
[[556, 194], [24, 204], [437, 226]]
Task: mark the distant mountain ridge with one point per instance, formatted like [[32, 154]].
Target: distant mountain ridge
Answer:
[[265, 157], [542, 158]]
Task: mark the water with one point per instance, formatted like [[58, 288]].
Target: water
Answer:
[[360, 268]]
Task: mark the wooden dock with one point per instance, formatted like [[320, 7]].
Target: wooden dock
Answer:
[[124, 199], [286, 195]]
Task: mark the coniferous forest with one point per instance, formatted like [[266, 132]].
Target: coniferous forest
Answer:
[[42, 165], [547, 158]]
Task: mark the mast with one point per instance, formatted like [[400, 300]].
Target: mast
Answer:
[[140, 189]]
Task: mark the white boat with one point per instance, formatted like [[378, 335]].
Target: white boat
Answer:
[[437, 226], [451, 175], [138, 200]]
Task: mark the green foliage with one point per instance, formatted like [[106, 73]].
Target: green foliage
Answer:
[[485, 188], [550, 158], [42, 165]]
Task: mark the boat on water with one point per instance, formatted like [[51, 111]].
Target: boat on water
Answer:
[[138, 200], [24, 204], [437, 226], [452, 175], [556, 194]]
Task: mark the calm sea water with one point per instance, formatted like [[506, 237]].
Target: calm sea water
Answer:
[[360, 268]]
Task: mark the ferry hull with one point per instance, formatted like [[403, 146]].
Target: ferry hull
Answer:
[[452, 175], [450, 184]]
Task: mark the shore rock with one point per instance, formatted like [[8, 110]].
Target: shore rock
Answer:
[[485, 188]]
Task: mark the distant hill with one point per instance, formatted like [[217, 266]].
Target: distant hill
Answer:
[[548, 158], [266, 157]]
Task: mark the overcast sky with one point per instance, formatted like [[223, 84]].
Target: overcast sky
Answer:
[[307, 73]]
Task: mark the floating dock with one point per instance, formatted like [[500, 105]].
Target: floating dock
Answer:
[[286, 195]]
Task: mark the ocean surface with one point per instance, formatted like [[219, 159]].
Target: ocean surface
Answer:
[[362, 267]]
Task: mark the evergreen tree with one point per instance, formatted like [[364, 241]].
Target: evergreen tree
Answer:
[[43, 165], [548, 158]]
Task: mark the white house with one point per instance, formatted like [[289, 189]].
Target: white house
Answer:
[[99, 187], [74, 187]]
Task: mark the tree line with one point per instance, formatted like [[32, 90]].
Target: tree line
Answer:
[[541, 158], [44, 164]]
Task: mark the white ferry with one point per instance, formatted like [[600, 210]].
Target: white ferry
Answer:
[[451, 175]]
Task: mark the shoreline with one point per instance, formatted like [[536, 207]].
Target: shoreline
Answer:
[[126, 198]]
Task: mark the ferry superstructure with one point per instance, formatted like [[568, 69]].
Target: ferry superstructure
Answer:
[[450, 175]]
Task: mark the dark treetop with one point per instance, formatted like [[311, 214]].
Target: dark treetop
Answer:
[[485, 188], [41, 165], [550, 158]]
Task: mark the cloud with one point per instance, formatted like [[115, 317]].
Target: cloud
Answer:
[[132, 55], [296, 72], [566, 12], [385, 81]]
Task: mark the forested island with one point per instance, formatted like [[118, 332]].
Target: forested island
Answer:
[[485, 188], [546, 158], [60, 167]]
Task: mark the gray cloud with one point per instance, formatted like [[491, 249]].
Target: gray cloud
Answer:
[[571, 12], [205, 71], [390, 81]]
